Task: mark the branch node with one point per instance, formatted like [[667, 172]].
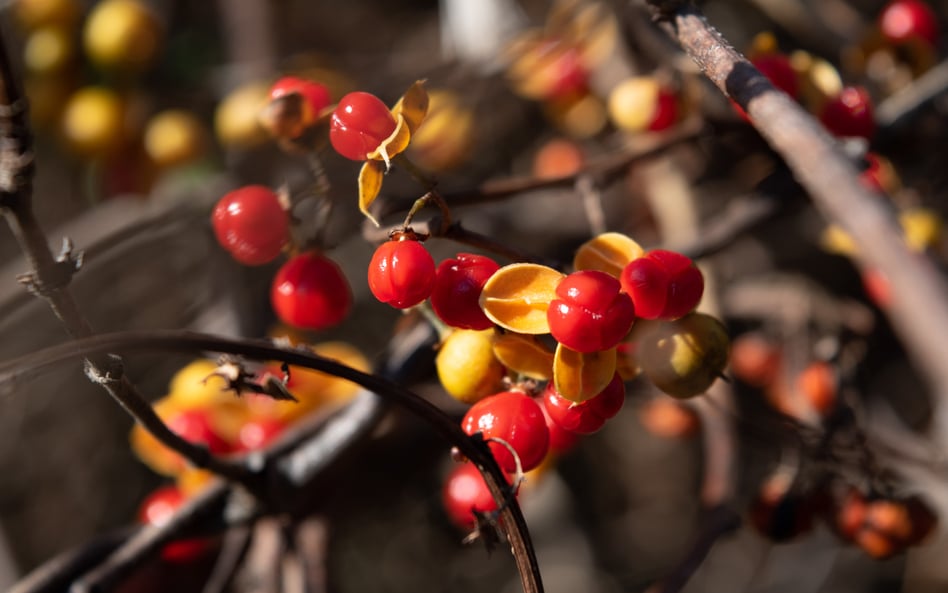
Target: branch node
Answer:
[[47, 280]]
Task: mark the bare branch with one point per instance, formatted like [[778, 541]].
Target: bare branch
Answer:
[[919, 310]]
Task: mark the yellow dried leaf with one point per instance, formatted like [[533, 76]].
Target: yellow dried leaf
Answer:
[[413, 106], [517, 296], [580, 376], [525, 355], [394, 144], [608, 252], [370, 184]]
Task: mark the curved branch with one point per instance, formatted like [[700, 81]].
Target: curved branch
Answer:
[[474, 449]]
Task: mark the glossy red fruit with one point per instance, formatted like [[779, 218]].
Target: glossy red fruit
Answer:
[[194, 426], [666, 111], [464, 492], [589, 416], [401, 273], [778, 70], [360, 123], [157, 509], [515, 418], [663, 284], [561, 440], [902, 20], [457, 288], [685, 283], [310, 292], [251, 224], [850, 114], [590, 313], [315, 95]]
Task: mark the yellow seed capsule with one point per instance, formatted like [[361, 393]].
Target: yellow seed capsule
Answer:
[[517, 296], [467, 367], [579, 376], [174, 137], [525, 355], [122, 34], [608, 252]]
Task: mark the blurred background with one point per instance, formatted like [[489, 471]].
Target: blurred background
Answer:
[[145, 114]]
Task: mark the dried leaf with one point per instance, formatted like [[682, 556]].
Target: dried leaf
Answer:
[[517, 296], [394, 144], [370, 184], [579, 376], [413, 106], [608, 252], [525, 355]]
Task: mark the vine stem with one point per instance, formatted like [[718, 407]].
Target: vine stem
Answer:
[[475, 449], [919, 310], [49, 276]]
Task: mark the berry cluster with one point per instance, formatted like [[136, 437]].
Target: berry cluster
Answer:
[[201, 408], [591, 313]]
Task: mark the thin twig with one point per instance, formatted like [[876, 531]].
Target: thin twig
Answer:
[[233, 550], [919, 310], [474, 449], [147, 541], [49, 276], [55, 574], [897, 109]]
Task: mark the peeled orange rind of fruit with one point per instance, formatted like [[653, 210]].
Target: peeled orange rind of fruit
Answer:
[[370, 184], [580, 376], [517, 296], [413, 106], [524, 355], [608, 252]]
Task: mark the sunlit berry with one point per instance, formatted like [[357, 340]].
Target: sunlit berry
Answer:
[[588, 416], [515, 418], [590, 313], [457, 288], [310, 291], [401, 273], [359, 125], [251, 224]]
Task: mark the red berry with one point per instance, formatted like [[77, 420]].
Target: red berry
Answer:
[[685, 284], [251, 224], [779, 71], [360, 123], [515, 418], [666, 110], [401, 273], [561, 440], [645, 280], [194, 426], [591, 313], [258, 433], [564, 66], [310, 291], [902, 20], [457, 288], [663, 284], [464, 492], [850, 114], [157, 509], [315, 95], [589, 416]]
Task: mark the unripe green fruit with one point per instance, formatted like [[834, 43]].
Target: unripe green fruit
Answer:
[[685, 356]]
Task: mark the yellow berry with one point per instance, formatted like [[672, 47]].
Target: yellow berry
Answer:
[[467, 367], [122, 34], [174, 137], [93, 122], [235, 121]]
